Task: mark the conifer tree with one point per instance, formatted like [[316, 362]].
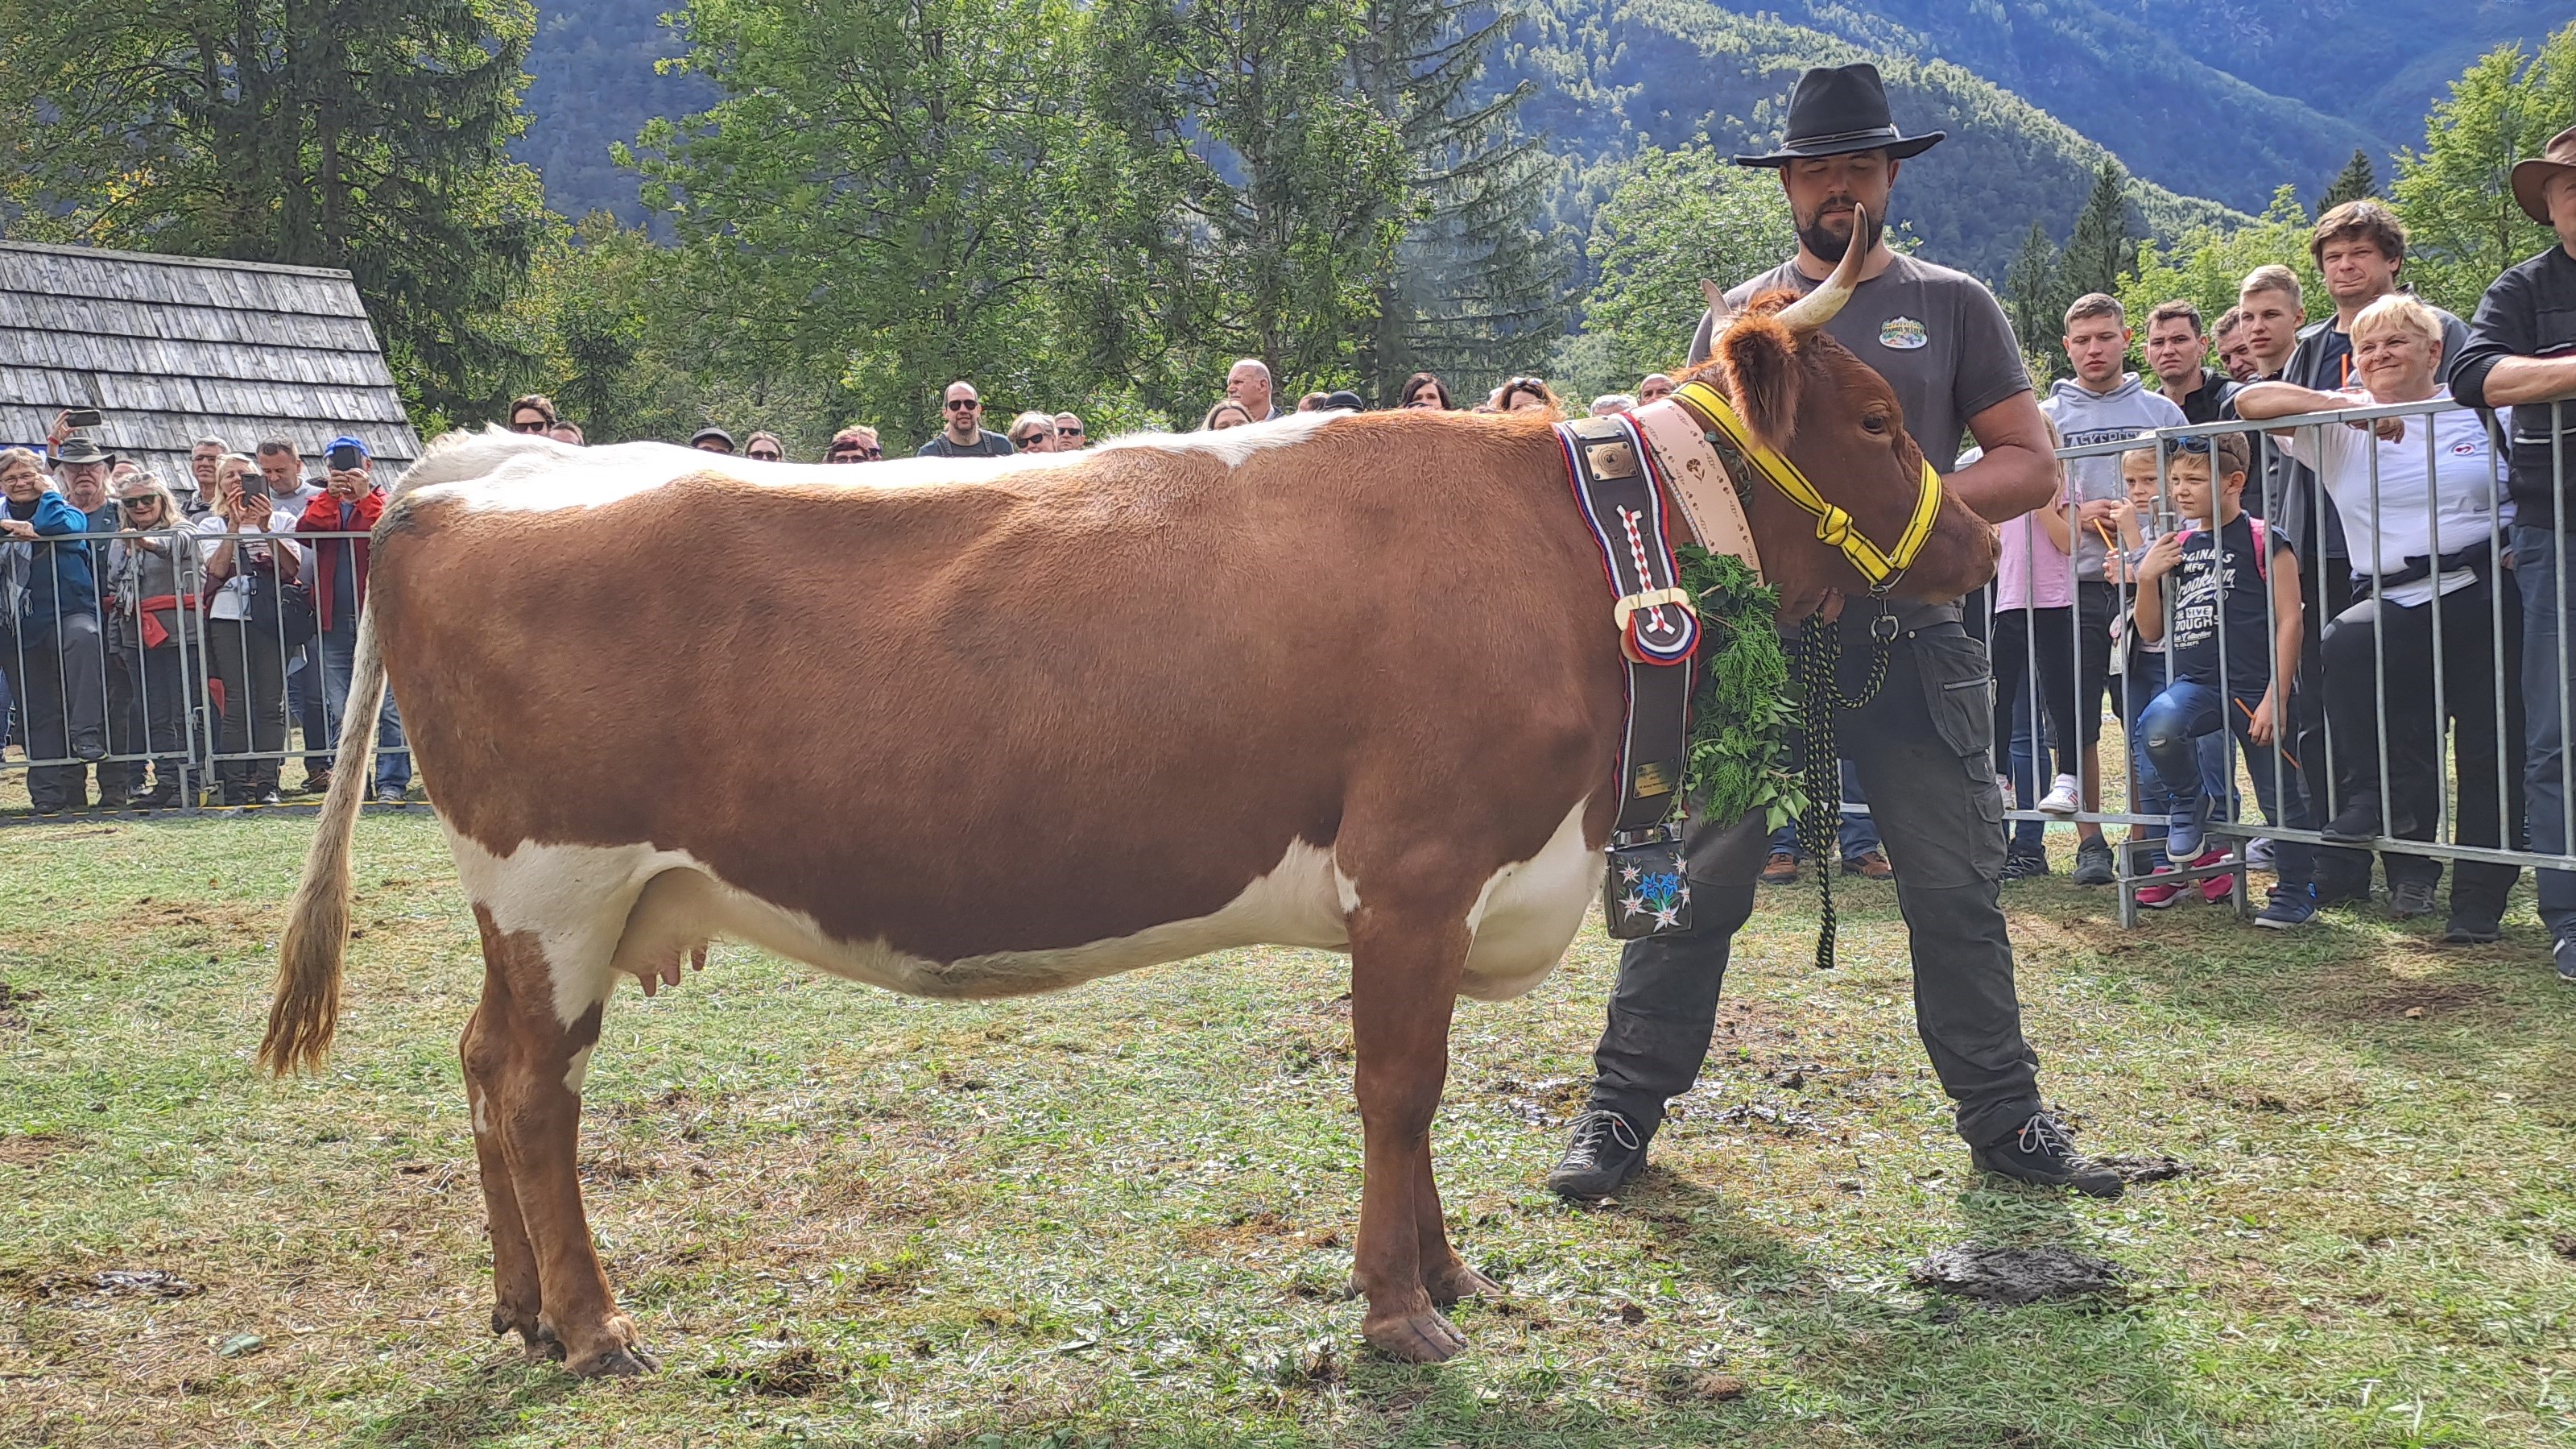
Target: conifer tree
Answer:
[[1473, 288], [2355, 181], [2034, 298], [2105, 243]]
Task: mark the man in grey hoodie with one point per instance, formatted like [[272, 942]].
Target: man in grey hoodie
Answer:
[[2102, 403]]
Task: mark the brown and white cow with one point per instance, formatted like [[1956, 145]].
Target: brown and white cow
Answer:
[[1336, 681]]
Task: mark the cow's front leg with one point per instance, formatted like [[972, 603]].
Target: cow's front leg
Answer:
[[1404, 978], [1445, 1276]]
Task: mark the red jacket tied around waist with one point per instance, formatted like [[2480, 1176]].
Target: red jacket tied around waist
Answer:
[[322, 515]]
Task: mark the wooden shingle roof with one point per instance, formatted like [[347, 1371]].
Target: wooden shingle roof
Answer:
[[173, 349]]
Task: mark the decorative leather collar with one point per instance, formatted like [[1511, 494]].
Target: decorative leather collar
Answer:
[[1702, 443]]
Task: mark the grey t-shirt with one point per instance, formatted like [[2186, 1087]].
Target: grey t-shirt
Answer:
[[1937, 336], [987, 444]]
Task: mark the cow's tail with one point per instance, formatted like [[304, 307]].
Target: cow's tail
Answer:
[[310, 957]]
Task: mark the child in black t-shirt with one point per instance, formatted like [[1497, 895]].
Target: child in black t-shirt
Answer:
[[2233, 587]]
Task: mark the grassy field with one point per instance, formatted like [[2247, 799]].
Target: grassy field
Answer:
[[1122, 1216]]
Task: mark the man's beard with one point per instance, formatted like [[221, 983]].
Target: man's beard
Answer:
[[1827, 246]]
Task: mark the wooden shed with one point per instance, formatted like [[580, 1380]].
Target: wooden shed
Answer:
[[173, 349]]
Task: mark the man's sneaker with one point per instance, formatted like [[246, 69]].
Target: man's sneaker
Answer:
[[2291, 906], [2024, 865], [1869, 865], [2061, 798], [1605, 1151], [1782, 869], [2182, 828], [2157, 897], [2258, 854], [2564, 952], [2409, 899], [2468, 928], [2358, 823], [2041, 1153], [388, 795], [2093, 862]]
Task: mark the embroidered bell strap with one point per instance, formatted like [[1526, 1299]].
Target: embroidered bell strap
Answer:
[[1615, 488], [1745, 457]]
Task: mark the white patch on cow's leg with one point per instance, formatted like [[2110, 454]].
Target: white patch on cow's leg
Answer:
[[482, 1123], [1528, 912], [579, 1071]]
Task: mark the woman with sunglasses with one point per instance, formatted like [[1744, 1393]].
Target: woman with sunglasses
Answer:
[[534, 413], [1033, 432], [154, 605], [764, 447]]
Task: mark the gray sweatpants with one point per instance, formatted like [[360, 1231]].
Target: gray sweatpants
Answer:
[[1923, 747]]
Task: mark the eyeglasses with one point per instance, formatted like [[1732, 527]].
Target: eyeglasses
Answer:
[[955, 403], [538, 426], [140, 505], [1025, 439], [1068, 432], [764, 457]]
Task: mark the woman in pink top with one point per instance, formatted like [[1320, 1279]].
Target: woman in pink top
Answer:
[[2034, 634]]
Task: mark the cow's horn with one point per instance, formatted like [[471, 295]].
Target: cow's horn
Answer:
[[1818, 307], [1719, 313]]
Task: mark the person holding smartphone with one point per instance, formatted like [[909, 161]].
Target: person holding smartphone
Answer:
[[350, 502], [243, 551]]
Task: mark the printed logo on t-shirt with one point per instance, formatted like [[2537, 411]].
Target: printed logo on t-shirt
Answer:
[[2467, 448], [1902, 333]]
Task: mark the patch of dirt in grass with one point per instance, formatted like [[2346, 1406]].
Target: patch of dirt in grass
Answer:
[[96, 1290], [2380, 997], [36, 1147], [13, 1000]]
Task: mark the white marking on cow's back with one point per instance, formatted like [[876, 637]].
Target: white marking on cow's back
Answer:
[[1527, 913], [516, 472]]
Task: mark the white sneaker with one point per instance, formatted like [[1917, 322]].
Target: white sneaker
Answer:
[[2061, 798], [2258, 853]]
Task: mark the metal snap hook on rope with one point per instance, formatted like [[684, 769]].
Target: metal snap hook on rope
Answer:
[[1883, 628]]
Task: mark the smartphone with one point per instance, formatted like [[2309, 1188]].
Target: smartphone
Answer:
[[82, 418], [344, 457]]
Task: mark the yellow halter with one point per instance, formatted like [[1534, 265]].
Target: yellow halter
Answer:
[[1736, 446]]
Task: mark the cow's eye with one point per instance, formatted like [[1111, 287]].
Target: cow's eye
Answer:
[[1875, 422]]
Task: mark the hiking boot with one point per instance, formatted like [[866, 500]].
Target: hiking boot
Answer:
[[2041, 1153], [1869, 865], [2093, 862], [2409, 899], [2291, 906], [2468, 928], [2021, 865], [316, 782], [1782, 869], [1606, 1150], [2062, 798]]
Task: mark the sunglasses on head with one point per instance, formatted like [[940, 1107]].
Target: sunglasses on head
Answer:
[[2198, 443]]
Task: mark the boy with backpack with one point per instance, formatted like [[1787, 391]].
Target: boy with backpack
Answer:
[[2234, 592]]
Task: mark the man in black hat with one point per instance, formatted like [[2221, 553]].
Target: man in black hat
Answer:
[[1922, 742]]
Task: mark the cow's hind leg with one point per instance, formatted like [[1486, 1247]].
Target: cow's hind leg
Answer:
[[1445, 1276], [523, 1066], [1405, 963]]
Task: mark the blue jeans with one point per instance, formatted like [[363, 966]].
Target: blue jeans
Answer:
[[2547, 617], [2028, 757], [337, 652], [1859, 832], [2138, 689], [2175, 727]]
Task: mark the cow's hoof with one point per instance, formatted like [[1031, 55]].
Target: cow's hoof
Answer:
[[1459, 1282], [1423, 1337], [623, 1361]]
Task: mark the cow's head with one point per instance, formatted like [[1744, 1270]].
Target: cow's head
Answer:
[[1805, 396]]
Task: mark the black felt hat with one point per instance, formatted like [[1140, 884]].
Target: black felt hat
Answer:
[[1837, 110]]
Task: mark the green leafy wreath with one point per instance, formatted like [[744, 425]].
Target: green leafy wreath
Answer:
[[1740, 720]]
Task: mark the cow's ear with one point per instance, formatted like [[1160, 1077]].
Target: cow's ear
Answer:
[[1762, 361]]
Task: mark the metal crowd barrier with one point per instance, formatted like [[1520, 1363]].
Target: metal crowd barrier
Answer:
[[90, 697]]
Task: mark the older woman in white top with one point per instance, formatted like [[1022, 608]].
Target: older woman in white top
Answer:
[[2419, 498]]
